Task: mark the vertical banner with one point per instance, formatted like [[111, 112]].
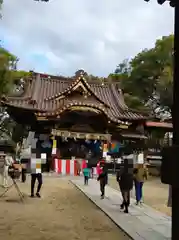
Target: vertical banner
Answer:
[[54, 147], [83, 164], [72, 167], [63, 167], [105, 149], [67, 167]]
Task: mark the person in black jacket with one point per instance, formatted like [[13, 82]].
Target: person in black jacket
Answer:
[[125, 179], [103, 178]]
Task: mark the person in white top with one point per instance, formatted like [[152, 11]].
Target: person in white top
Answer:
[[8, 161]]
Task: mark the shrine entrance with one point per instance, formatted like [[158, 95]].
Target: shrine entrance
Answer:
[[80, 134]]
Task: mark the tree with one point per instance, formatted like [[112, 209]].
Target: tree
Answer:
[[164, 88], [148, 77], [11, 81], [7, 65], [122, 74]]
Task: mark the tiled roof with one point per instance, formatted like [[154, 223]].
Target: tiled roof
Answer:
[[50, 96]]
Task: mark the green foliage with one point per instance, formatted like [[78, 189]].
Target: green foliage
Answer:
[[7, 124], [164, 88], [7, 64], [147, 78], [10, 82], [134, 102], [9, 76]]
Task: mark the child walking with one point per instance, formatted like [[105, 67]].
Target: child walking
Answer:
[[86, 173]]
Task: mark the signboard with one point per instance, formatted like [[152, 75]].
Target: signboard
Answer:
[[81, 135]]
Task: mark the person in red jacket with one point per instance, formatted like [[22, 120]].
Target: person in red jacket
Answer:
[[99, 166]]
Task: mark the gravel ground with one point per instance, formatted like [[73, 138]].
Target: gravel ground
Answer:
[[155, 193], [62, 213]]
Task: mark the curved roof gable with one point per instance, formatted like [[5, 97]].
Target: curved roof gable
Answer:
[[80, 82], [49, 95]]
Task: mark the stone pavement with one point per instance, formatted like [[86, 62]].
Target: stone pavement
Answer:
[[142, 222]]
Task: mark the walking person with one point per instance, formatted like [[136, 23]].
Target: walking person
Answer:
[[35, 176], [125, 179], [103, 179], [86, 173], [139, 176], [36, 173]]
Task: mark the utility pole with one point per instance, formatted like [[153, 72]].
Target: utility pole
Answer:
[[175, 119], [170, 161]]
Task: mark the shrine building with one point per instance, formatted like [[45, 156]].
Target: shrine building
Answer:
[[81, 114]]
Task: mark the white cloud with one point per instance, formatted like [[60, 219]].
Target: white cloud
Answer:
[[91, 34]]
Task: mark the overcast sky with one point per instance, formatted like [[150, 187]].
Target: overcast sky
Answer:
[[62, 36]]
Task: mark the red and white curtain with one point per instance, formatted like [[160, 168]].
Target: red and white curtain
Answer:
[[69, 167]]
